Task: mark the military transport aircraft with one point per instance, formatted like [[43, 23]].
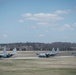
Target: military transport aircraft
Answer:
[[48, 54], [53, 52], [74, 53], [7, 55]]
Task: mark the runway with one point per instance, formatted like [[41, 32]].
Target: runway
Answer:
[[22, 58], [39, 57], [63, 56]]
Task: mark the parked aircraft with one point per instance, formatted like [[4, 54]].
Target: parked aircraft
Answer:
[[7, 55], [48, 54], [74, 53], [43, 55]]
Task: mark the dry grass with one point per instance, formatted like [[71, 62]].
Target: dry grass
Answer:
[[42, 66]]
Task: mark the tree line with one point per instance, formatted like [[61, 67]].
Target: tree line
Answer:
[[41, 46]]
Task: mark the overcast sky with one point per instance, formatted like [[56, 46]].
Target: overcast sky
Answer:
[[37, 21]]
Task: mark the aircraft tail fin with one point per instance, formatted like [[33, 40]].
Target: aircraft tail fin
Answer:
[[14, 51], [4, 51], [53, 50], [57, 50]]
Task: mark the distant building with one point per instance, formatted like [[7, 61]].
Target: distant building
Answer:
[[26, 48]]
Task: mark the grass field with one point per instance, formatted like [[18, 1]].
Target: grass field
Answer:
[[42, 66]]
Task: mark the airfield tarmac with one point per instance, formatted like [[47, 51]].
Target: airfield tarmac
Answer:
[[39, 57], [32, 54]]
